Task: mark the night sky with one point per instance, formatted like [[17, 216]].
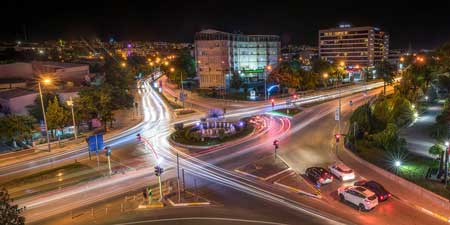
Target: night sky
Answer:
[[424, 25]]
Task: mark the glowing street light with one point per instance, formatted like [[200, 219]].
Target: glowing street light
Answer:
[[166, 63], [342, 63], [446, 143], [397, 163], [172, 69], [325, 75], [123, 64], [70, 103]]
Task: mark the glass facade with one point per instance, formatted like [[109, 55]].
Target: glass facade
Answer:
[[225, 53]]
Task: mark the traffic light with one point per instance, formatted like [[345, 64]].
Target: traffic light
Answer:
[[273, 102], [276, 144], [337, 136], [158, 170]]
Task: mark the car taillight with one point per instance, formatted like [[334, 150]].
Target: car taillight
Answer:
[[389, 195], [381, 197], [321, 179]]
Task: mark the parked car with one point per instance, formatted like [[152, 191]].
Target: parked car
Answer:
[[376, 188], [359, 196], [319, 175], [342, 171]]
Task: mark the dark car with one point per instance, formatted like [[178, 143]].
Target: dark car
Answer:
[[376, 188], [319, 175]]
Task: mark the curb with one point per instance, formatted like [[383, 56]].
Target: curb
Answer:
[[188, 203], [318, 196]]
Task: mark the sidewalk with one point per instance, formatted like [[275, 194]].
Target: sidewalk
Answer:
[[125, 119], [418, 136]]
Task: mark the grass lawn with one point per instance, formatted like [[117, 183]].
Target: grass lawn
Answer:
[[181, 136], [284, 112], [413, 168]]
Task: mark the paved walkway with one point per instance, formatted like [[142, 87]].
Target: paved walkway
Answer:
[[418, 136]]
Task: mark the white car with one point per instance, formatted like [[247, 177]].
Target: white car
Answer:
[[342, 171], [359, 196]]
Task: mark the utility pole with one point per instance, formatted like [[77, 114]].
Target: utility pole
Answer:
[[182, 89], [70, 103], [178, 177], [45, 118]]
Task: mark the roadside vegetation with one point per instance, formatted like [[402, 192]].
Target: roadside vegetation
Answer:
[[373, 131]]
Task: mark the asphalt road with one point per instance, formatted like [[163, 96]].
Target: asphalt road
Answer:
[[307, 132]]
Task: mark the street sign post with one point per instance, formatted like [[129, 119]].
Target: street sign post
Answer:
[[108, 154], [95, 143], [337, 115]]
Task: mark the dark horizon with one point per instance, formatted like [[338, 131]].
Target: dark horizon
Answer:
[[424, 27]]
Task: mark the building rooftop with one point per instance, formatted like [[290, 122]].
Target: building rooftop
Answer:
[[58, 64], [14, 93]]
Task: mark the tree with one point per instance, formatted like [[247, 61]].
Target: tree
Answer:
[[236, 80], [57, 115], [388, 138], [101, 102], [402, 111], [9, 213], [286, 74], [386, 71], [435, 150], [16, 128], [382, 114], [184, 64], [362, 116], [35, 110]]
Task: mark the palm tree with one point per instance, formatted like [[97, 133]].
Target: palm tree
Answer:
[[387, 71]]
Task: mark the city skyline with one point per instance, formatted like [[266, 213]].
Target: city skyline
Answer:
[[296, 23]]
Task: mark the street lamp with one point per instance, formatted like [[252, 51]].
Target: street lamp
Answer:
[[325, 75], [397, 163], [70, 103], [46, 81], [268, 68], [123, 64]]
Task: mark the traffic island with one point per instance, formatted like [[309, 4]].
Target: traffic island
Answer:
[[151, 205], [265, 168], [186, 198], [289, 112], [297, 183], [209, 133], [184, 111]]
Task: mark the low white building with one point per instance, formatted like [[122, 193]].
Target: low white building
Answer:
[[15, 101]]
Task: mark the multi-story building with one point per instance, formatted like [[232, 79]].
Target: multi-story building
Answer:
[[219, 54], [356, 46]]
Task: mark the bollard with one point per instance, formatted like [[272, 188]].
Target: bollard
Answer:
[[121, 207], [92, 211], [106, 210]]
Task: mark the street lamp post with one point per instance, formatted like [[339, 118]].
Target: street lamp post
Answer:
[[268, 68], [70, 103], [46, 81]]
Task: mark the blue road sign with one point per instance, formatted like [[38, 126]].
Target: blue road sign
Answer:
[[100, 144], [92, 143], [95, 142]]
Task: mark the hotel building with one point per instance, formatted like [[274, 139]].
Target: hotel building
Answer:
[[356, 46]]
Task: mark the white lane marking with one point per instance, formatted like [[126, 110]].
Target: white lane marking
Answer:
[[201, 218]]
